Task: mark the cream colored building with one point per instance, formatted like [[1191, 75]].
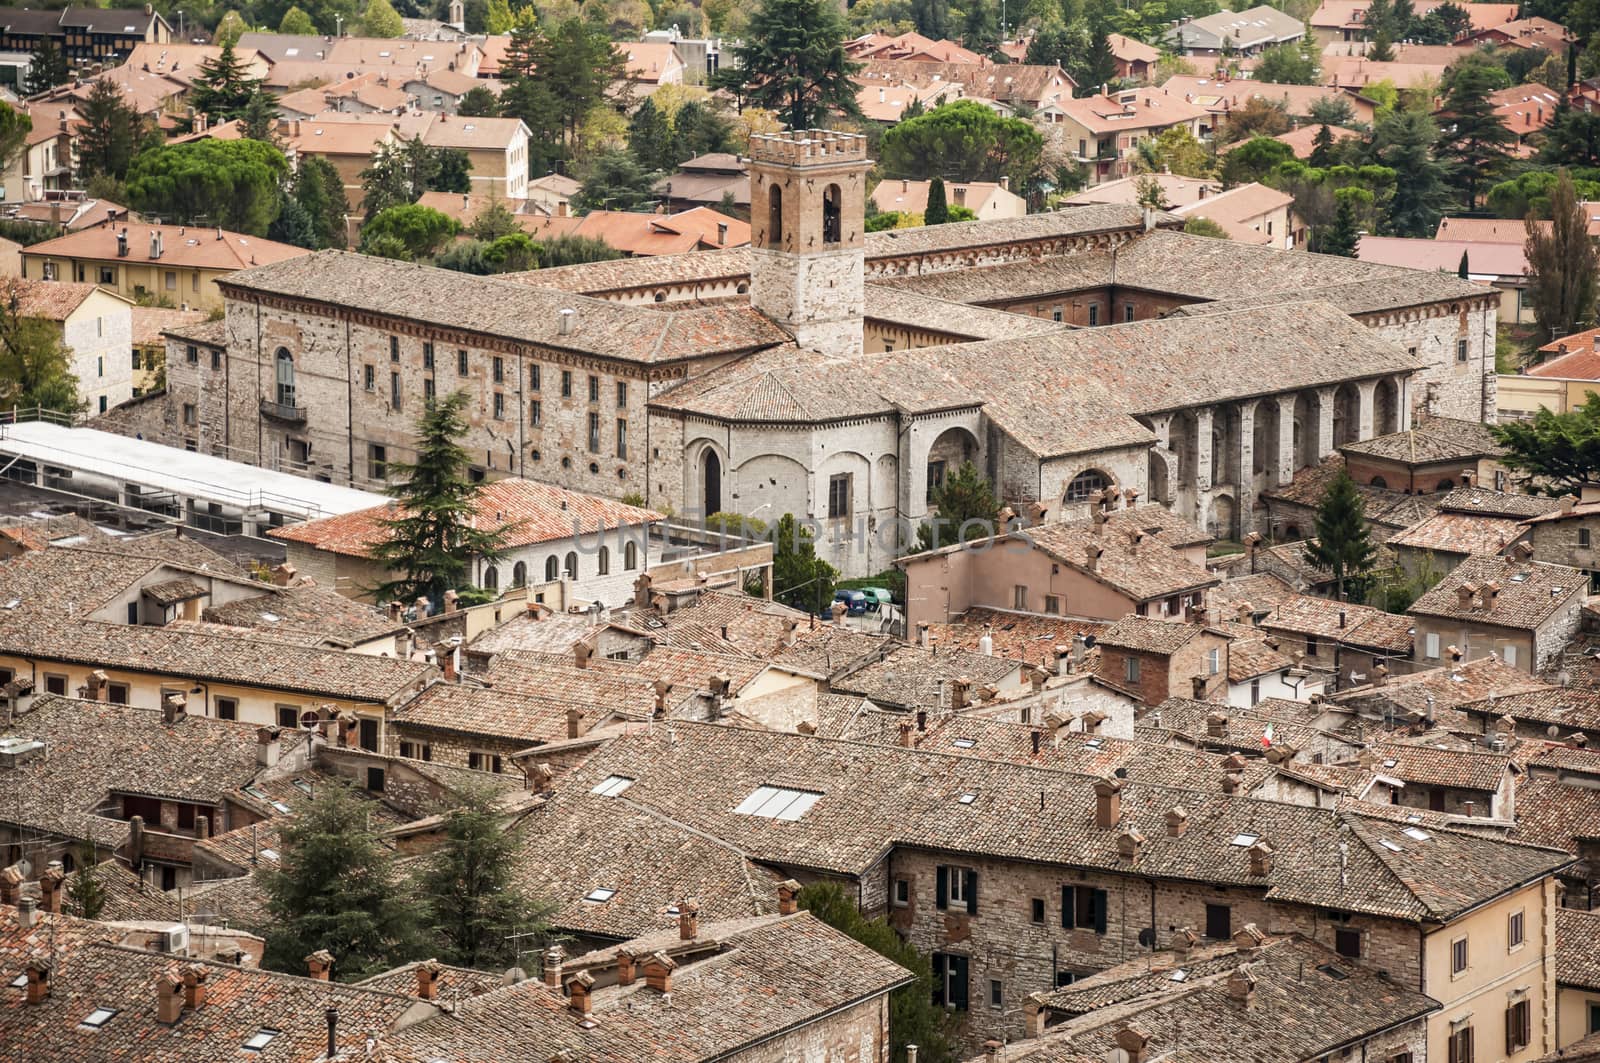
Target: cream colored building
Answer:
[[95, 325]]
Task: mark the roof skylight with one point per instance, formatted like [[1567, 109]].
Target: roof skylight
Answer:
[[778, 802]]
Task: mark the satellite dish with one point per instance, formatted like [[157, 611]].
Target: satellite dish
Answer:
[[1147, 937], [1088, 642], [1553, 731]]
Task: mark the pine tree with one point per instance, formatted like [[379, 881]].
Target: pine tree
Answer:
[[259, 119], [1477, 143], [319, 190], [473, 904], [650, 138], [966, 509], [1322, 148], [221, 90], [46, 70], [478, 103], [433, 540], [1343, 236], [110, 133], [1342, 545], [1562, 264], [1382, 48], [335, 888], [937, 212], [1404, 142], [793, 62], [86, 891], [799, 577]]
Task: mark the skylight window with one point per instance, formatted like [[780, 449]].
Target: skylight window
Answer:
[[1393, 847], [1520, 577], [1416, 834], [1180, 975], [281, 807], [1391, 762], [1245, 841], [599, 896], [1094, 743], [302, 785], [260, 1039], [967, 799], [19, 982], [1333, 972], [271, 618], [612, 785], [270, 854], [965, 743], [778, 802], [97, 1018]]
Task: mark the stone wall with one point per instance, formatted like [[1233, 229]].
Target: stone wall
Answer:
[[858, 1034], [1454, 387]]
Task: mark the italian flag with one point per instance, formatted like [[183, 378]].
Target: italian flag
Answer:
[[1266, 736]]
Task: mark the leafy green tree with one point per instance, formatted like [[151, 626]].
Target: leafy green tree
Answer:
[[35, 365], [1099, 65], [567, 250], [15, 126], [980, 31], [497, 19], [479, 102], [1529, 193], [399, 174], [232, 183], [419, 231], [581, 68], [614, 181], [1342, 545], [259, 121], [381, 20], [914, 1019], [453, 171], [472, 901], [1477, 143], [1332, 111], [799, 577], [335, 888], [1344, 236], [1198, 225], [493, 222], [932, 18], [937, 212], [1286, 64], [698, 130], [430, 545], [793, 62], [1253, 160], [47, 68], [966, 509], [1442, 25], [1463, 269], [297, 22], [1257, 118], [1563, 264], [229, 29], [1560, 451], [85, 889], [964, 141], [111, 133], [319, 190], [1176, 150], [1404, 143]]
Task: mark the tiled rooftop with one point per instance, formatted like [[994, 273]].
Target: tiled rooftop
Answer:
[[1529, 592]]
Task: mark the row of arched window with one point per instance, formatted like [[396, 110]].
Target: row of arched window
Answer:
[[563, 568]]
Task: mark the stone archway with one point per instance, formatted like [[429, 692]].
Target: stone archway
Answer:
[[1305, 431], [951, 449], [1346, 415], [1160, 475], [1223, 517], [710, 482], [1386, 407]]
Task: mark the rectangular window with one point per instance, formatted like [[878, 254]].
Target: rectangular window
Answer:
[[369, 377], [902, 892], [133, 612], [997, 994], [594, 388], [1461, 1045], [535, 414], [499, 406], [566, 383], [137, 359], [190, 414], [622, 438], [839, 496], [108, 275], [394, 391], [1311, 645], [103, 402], [287, 715], [227, 708], [427, 354], [1213, 661], [1594, 1018], [956, 887], [778, 802], [1052, 604], [1461, 350], [1083, 908], [622, 394], [461, 362], [594, 433], [1515, 928], [1510, 654], [375, 780], [1255, 692], [1094, 314], [1431, 646], [1219, 922], [485, 762], [1347, 942], [216, 359], [377, 461], [55, 684], [533, 377], [1519, 1027], [1130, 669], [394, 348], [1127, 311], [499, 369], [427, 387], [1583, 537], [950, 980], [1037, 907], [1458, 956], [170, 281], [1019, 597], [1055, 313], [191, 354], [117, 693]]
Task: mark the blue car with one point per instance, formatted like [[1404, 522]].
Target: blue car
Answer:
[[855, 602]]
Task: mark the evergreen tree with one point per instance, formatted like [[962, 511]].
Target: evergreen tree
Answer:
[[793, 62], [319, 190], [1404, 143], [230, 27], [1100, 66], [1322, 148], [110, 134], [615, 181], [1561, 451], [980, 30], [799, 577], [1572, 138], [1381, 49], [698, 130], [931, 18], [335, 888], [15, 126], [259, 120], [221, 89], [1461, 270], [430, 545], [966, 509], [46, 69], [380, 19], [914, 1019], [937, 212], [473, 904], [86, 890], [294, 226], [451, 171], [650, 138], [1342, 545], [1477, 143], [479, 103], [1563, 264], [407, 231]]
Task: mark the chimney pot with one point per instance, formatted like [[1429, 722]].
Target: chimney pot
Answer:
[[552, 966], [169, 999], [27, 913], [581, 989], [626, 969], [1177, 821], [428, 972], [1242, 985], [1107, 802], [688, 920], [1261, 859], [788, 897], [1134, 1041], [658, 968], [581, 652], [1129, 843], [194, 985], [38, 970], [319, 963], [50, 888]]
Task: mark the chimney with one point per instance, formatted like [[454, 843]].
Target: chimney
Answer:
[[658, 968], [50, 888], [349, 730], [565, 327], [903, 735], [1183, 940], [10, 885], [38, 971], [1466, 477], [552, 966], [838, 609], [122, 244], [626, 972], [922, 634], [319, 963], [173, 708], [155, 243], [581, 652], [1065, 656], [662, 688], [1128, 843], [922, 720], [452, 600], [960, 692], [1134, 1042], [283, 574], [1491, 592], [1249, 938], [27, 913], [1216, 725], [1568, 501], [1107, 802], [194, 985], [1177, 821], [722, 233], [268, 746], [1231, 782], [169, 999], [428, 972], [1092, 554], [788, 897], [1033, 1016], [202, 827], [1260, 859], [1242, 985], [688, 920], [574, 722], [96, 685], [135, 846], [1005, 182], [581, 988]]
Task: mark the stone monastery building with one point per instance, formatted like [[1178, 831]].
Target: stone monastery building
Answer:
[[830, 372]]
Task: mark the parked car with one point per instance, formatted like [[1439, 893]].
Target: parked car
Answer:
[[855, 602], [877, 598]]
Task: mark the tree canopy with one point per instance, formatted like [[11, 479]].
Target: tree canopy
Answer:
[[1342, 545], [792, 61], [35, 365], [231, 183], [407, 231], [1563, 264], [1561, 451], [962, 141]]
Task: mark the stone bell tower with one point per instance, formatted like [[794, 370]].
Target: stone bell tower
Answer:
[[808, 193]]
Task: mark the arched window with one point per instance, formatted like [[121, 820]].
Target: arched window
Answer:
[[1378, 481], [68, 862], [572, 565], [630, 555], [832, 215], [491, 578], [285, 377], [552, 569], [1086, 485], [774, 215], [603, 561], [519, 574], [743, 289]]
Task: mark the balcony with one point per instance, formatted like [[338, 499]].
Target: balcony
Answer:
[[283, 411]]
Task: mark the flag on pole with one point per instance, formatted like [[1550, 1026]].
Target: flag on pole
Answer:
[[1266, 736]]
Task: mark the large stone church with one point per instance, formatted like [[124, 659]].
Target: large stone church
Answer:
[[830, 372]]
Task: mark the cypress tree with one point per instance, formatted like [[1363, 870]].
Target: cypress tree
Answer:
[[1322, 148], [1562, 264], [1461, 270], [937, 211], [1342, 545]]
